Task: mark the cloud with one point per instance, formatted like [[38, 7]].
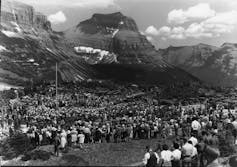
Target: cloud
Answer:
[[57, 18], [196, 30], [151, 30], [177, 33], [198, 12], [204, 23], [165, 30], [71, 3], [215, 26]]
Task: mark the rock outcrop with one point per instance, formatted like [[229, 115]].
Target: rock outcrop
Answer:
[[188, 56], [22, 15], [29, 50]]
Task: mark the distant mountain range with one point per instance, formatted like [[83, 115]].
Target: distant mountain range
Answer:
[[106, 46], [215, 65]]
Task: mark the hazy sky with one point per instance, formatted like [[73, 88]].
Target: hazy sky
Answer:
[[164, 22]]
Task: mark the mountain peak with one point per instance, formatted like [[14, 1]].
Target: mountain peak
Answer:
[[16, 14], [228, 44], [101, 22], [202, 44], [116, 14]]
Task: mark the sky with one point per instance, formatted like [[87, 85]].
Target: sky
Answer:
[[164, 22]]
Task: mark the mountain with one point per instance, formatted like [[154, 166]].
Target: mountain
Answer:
[[132, 57], [215, 65], [29, 49], [106, 46]]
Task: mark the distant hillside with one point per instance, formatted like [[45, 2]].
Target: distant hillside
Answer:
[[215, 65]]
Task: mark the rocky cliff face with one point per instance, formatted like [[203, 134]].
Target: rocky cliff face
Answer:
[[22, 15], [188, 56], [216, 65], [29, 49], [115, 33]]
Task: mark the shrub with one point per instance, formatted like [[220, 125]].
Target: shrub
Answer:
[[36, 154], [17, 145]]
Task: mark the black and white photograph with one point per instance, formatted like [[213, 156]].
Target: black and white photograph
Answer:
[[139, 83]]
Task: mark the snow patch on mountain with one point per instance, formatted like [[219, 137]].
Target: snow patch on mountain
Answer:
[[2, 48], [31, 60], [97, 55], [11, 34]]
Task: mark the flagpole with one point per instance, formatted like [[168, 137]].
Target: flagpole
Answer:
[[56, 83], [0, 14]]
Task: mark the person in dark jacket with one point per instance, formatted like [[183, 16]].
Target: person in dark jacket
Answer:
[[57, 144], [69, 139], [151, 159]]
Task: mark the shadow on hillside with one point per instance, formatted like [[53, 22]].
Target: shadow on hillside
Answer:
[[73, 160]]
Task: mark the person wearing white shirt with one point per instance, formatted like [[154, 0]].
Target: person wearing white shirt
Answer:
[[166, 156], [81, 138], [194, 155], [196, 126], [194, 140], [63, 139], [176, 156], [187, 153]]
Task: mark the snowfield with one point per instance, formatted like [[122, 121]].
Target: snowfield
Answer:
[[101, 54]]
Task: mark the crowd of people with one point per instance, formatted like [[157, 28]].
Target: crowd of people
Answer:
[[96, 113], [200, 149]]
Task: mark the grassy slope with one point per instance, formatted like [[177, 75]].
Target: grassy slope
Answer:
[[105, 154]]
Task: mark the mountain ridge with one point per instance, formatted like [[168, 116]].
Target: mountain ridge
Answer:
[[215, 65]]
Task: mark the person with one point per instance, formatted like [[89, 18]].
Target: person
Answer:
[[234, 123], [11, 132], [193, 139], [194, 155], [233, 161], [151, 159], [166, 156], [57, 144], [74, 136], [196, 126], [176, 156], [69, 138], [211, 154], [40, 138], [187, 152], [63, 139], [81, 138]]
